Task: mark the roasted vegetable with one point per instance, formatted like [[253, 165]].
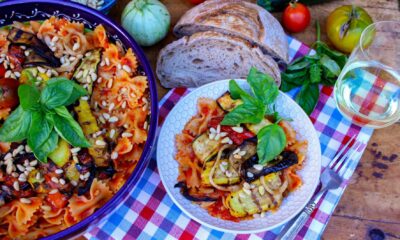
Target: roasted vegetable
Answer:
[[205, 148], [251, 201], [89, 127], [227, 103], [72, 173], [220, 176], [86, 73], [251, 170], [28, 75], [254, 128], [30, 41], [61, 155], [186, 194]]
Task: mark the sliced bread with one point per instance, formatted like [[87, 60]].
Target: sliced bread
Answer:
[[237, 18], [209, 56]]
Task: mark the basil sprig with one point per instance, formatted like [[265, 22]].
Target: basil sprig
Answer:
[[271, 138], [42, 117], [321, 68]]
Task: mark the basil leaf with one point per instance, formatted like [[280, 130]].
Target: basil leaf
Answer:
[[315, 73], [68, 128], [235, 91], [263, 86], [338, 57], [308, 96], [298, 66], [57, 92], [330, 65], [271, 142], [251, 111], [287, 86], [42, 151], [16, 126], [39, 139], [296, 78], [28, 97], [77, 92]]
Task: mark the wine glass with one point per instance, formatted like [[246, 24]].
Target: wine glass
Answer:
[[368, 89]]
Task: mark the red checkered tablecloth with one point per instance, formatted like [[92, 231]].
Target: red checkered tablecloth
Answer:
[[149, 213]]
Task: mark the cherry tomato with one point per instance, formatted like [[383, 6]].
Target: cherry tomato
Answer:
[[196, 1], [8, 93], [237, 138], [2, 71], [57, 200], [16, 56], [296, 17]]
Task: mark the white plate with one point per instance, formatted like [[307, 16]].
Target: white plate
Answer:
[[291, 205]]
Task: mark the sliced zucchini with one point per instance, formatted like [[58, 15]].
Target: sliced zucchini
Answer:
[[61, 155], [251, 201], [89, 126], [89, 64], [205, 148], [227, 103], [254, 128], [220, 177]]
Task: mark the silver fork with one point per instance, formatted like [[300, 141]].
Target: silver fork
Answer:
[[331, 178]]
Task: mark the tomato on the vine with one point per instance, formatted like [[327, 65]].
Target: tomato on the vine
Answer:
[[195, 1], [296, 17]]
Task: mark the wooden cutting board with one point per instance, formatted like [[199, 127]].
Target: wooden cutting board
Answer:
[[372, 200]]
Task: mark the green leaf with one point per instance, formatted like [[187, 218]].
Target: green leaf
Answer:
[[28, 97], [263, 86], [303, 63], [57, 92], [16, 126], [43, 151], [68, 128], [271, 142], [40, 137], [296, 78], [78, 92], [308, 96], [265, 4], [315, 73], [251, 111], [330, 65], [235, 91], [287, 86], [338, 57]]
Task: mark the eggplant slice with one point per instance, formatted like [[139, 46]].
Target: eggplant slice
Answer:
[[42, 55], [250, 173], [185, 193]]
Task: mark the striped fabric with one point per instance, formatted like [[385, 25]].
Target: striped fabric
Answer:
[[149, 213]]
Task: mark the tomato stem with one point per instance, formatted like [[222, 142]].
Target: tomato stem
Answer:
[[292, 3], [318, 31]]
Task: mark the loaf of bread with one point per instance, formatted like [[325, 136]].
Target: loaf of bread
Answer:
[[237, 18], [209, 56]]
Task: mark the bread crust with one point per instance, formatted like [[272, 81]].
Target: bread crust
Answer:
[[237, 18], [208, 56]]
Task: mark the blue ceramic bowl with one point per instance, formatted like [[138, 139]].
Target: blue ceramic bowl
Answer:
[[25, 10], [108, 4]]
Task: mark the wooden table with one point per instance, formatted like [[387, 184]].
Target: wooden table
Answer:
[[372, 199]]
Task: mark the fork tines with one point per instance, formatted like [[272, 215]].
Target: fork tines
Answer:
[[346, 153]]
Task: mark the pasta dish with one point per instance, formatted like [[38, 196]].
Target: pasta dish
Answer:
[[238, 158], [74, 115]]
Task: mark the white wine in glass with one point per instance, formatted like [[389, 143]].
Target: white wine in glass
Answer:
[[368, 88]]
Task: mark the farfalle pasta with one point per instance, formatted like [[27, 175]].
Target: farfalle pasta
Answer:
[[38, 199]]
